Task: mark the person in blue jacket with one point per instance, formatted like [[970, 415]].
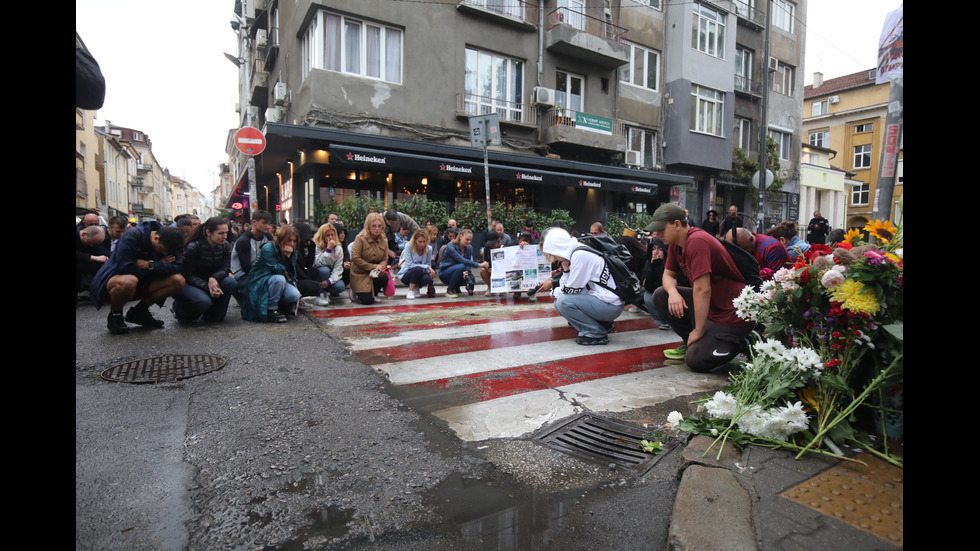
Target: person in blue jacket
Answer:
[[271, 292], [145, 266], [458, 264]]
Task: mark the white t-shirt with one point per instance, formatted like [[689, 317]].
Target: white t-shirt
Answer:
[[585, 269]]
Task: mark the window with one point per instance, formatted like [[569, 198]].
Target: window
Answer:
[[573, 13], [651, 3], [569, 90], [743, 69], [643, 68], [505, 7], [493, 84], [708, 35], [346, 45], [819, 108], [782, 80], [707, 110], [860, 195], [820, 139], [783, 15], [866, 127], [745, 8], [640, 147], [784, 142], [743, 134], [862, 156]]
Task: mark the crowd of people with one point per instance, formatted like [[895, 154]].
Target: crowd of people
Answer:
[[688, 277]]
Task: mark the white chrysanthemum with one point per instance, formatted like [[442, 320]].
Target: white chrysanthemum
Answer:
[[747, 304], [674, 418], [721, 405], [804, 359], [769, 348]]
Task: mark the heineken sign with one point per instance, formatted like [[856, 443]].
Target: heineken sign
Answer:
[[593, 123]]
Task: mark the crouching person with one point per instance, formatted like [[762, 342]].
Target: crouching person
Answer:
[[145, 266], [584, 295], [207, 272], [271, 293]]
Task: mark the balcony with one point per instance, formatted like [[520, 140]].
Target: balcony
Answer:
[[513, 12], [586, 38], [584, 129], [258, 84], [469, 105], [745, 85], [745, 9]]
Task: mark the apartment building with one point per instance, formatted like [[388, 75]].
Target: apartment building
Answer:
[[847, 114], [604, 106]]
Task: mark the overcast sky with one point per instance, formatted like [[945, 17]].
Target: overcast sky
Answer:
[[166, 74]]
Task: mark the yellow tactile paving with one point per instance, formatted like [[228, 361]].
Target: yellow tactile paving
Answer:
[[866, 497]]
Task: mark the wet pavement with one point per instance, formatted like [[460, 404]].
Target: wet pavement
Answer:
[[305, 440]]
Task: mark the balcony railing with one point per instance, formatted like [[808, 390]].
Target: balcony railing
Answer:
[[586, 24], [525, 12], [747, 85], [567, 118], [746, 10], [509, 111]]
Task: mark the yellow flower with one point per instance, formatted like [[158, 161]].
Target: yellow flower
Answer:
[[809, 398], [882, 229], [854, 297], [851, 235]]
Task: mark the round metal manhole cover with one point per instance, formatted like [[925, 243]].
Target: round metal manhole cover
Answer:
[[164, 368]]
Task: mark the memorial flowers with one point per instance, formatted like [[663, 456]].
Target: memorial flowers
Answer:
[[833, 341]]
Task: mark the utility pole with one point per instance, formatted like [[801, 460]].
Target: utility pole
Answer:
[[763, 180], [890, 69]]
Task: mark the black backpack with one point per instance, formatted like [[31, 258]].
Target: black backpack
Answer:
[[628, 287], [746, 264]]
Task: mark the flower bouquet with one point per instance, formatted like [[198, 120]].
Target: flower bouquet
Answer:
[[833, 344]]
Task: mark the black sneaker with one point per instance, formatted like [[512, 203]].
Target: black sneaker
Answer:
[[589, 341], [432, 291], [140, 315], [275, 316], [116, 324], [470, 286]]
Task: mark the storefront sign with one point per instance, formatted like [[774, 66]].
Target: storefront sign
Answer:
[[593, 123]]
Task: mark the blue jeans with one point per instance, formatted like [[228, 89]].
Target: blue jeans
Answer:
[[336, 287], [648, 300], [281, 292], [452, 276], [589, 315], [418, 276], [193, 302]]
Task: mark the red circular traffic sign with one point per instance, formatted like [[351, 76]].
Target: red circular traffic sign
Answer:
[[250, 141]]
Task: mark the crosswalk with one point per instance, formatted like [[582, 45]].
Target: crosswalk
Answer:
[[501, 367]]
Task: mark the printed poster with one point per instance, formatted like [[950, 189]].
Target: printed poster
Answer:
[[513, 269]]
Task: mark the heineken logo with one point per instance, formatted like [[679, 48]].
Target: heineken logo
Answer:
[[453, 168], [587, 183], [533, 177], [366, 158], [641, 189]]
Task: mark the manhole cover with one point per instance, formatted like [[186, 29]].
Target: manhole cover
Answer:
[[602, 440], [164, 368]]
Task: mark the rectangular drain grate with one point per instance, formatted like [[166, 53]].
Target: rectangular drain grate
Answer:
[[605, 441]]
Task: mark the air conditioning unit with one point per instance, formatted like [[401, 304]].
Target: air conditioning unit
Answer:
[[773, 64], [633, 158], [833, 99], [281, 93], [273, 114], [544, 96], [261, 38]]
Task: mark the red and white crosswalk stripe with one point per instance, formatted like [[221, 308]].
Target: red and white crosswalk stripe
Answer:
[[503, 368]]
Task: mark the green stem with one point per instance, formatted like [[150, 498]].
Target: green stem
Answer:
[[886, 456], [853, 405]]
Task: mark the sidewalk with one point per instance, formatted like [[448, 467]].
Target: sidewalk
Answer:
[[766, 499]]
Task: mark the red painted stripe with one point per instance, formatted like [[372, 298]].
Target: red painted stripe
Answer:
[[500, 341], [488, 385], [418, 305], [396, 326]]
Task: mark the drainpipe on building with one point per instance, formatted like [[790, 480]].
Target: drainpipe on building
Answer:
[[540, 40], [763, 181]]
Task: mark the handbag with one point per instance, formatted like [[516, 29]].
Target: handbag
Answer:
[[390, 286]]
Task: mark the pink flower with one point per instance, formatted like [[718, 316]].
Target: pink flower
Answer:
[[831, 279]]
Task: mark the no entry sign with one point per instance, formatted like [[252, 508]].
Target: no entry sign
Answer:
[[249, 141]]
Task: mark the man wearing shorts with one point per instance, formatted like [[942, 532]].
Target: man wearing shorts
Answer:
[[145, 266]]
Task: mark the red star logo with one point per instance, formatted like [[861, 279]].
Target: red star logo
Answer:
[[442, 166], [350, 156]]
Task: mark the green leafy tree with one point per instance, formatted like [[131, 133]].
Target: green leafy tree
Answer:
[[743, 168]]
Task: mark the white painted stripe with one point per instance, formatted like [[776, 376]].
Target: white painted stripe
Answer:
[[521, 414], [461, 332], [466, 363]]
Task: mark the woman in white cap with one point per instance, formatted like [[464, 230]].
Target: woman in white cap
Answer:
[[584, 294]]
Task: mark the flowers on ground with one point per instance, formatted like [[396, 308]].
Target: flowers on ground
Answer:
[[833, 326]]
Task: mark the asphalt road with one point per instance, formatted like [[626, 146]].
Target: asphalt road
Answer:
[[292, 445]]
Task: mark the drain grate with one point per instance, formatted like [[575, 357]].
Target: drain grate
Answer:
[[605, 441], [164, 368]]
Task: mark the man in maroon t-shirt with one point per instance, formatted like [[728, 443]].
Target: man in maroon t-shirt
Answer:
[[703, 314]]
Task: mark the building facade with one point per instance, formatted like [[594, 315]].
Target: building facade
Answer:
[[847, 114], [823, 188], [604, 106]]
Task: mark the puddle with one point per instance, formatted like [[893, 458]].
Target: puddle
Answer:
[[501, 516]]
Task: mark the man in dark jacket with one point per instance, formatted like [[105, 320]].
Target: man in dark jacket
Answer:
[[145, 266], [817, 229], [247, 248]]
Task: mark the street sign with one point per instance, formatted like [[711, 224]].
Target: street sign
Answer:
[[485, 130], [250, 141]]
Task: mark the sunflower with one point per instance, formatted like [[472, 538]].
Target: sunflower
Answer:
[[882, 229], [851, 235]]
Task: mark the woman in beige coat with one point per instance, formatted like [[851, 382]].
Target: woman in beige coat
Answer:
[[369, 260]]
